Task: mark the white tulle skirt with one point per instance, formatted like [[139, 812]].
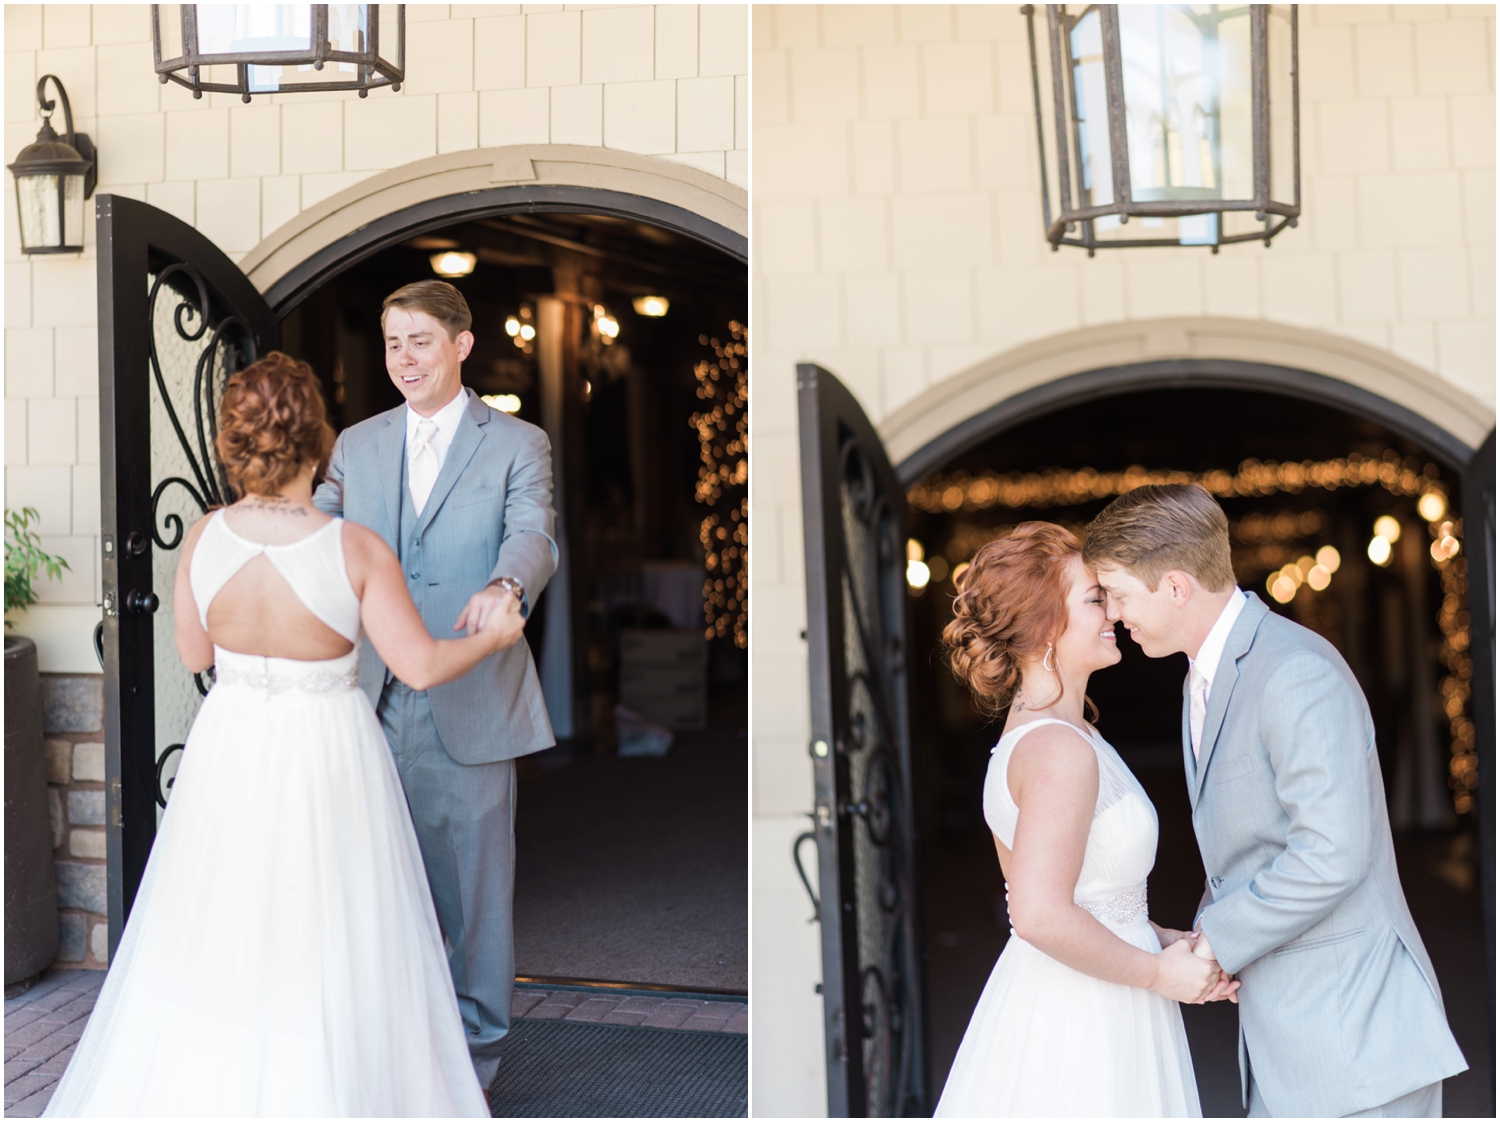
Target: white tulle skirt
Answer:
[[283, 956], [1046, 1041]]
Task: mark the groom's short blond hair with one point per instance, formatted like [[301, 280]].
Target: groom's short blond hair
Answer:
[[439, 299], [1151, 530]]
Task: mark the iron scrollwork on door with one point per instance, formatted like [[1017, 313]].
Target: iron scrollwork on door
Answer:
[[230, 347], [212, 486], [854, 521]]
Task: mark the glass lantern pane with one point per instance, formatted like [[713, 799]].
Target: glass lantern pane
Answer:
[[1091, 107], [72, 210], [389, 33], [348, 30], [169, 21], [1279, 32], [36, 203], [1187, 101], [246, 28]]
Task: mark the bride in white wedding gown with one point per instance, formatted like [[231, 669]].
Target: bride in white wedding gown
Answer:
[[283, 956], [1079, 1017]]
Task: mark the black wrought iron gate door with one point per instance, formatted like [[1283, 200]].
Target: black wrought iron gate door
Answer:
[[176, 318], [854, 527]]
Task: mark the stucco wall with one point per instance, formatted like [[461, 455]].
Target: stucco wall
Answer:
[[669, 82], [898, 241]]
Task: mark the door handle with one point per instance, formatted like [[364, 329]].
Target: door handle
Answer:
[[141, 603]]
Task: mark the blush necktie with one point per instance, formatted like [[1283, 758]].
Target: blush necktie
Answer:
[[1197, 706], [423, 468]]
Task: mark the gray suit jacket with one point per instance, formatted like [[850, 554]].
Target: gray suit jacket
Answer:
[[1339, 1007], [489, 515]]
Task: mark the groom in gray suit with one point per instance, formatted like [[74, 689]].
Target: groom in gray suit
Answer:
[[463, 494], [1340, 1013]]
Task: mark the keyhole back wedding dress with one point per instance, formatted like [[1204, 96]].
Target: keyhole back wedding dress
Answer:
[[282, 956], [1046, 1040]]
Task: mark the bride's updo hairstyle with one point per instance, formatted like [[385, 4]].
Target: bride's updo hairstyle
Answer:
[[1012, 602], [272, 423]]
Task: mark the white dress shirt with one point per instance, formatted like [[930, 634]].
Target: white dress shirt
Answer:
[[1203, 668], [446, 419]]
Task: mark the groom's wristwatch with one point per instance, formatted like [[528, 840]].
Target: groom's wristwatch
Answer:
[[511, 585]]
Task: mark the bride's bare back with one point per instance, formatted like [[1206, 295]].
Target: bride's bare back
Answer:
[[257, 612]]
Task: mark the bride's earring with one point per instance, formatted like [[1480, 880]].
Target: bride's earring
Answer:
[[1048, 663]]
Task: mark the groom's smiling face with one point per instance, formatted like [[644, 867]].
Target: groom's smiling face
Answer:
[[422, 361], [1148, 614]]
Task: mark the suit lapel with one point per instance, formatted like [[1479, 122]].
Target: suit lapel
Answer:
[[1189, 761], [1241, 635], [392, 451], [466, 440]]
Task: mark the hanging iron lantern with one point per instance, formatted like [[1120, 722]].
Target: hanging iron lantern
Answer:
[[53, 178], [279, 48], [1172, 124]]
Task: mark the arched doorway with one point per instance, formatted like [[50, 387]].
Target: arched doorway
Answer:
[[1025, 436], [360, 230]]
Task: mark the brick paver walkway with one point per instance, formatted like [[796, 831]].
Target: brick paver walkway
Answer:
[[638, 1011], [41, 1027], [43, 1024]]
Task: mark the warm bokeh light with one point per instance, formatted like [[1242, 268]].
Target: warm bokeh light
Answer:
[[1432, 506], [914, 550], [958, 573], [1305, 565], [917, 575], [653, 306], [1318, 578], [1379, 550], [512, 326], [1329, 558], [1388, 528], [938, 568], [505, 402], [1283, 588], [1444, 548], [528, 332], [453, 264]]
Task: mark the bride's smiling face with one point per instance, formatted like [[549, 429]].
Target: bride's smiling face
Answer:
[[1088, 642]]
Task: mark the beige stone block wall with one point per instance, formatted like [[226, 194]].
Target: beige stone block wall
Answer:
[[898, 241], [667, 81]]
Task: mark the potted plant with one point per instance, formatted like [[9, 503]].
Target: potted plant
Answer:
[[30, 884]]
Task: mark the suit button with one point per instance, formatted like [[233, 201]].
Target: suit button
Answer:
[[1215, 881], [414, 574]]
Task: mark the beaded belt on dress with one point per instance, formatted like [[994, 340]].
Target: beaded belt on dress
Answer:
[[302, 681], [1124, 908]]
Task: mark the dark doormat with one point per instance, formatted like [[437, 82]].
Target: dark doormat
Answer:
[[568, 1069]]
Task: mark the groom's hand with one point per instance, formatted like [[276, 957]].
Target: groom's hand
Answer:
[[1227, 986], [489, 605]]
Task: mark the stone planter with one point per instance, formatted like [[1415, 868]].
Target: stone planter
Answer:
[[30, 884]]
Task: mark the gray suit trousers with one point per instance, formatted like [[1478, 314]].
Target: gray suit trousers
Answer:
[[1424, 1102], [465, 820]]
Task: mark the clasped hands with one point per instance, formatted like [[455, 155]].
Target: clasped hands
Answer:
[[1189, 972], [497, 607]]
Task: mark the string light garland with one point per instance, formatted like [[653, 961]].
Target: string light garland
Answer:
[[946, 494], [1407, 477], [723, 430]]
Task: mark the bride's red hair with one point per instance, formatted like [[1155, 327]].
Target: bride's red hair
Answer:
[[1012, 602], [272, 423]]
